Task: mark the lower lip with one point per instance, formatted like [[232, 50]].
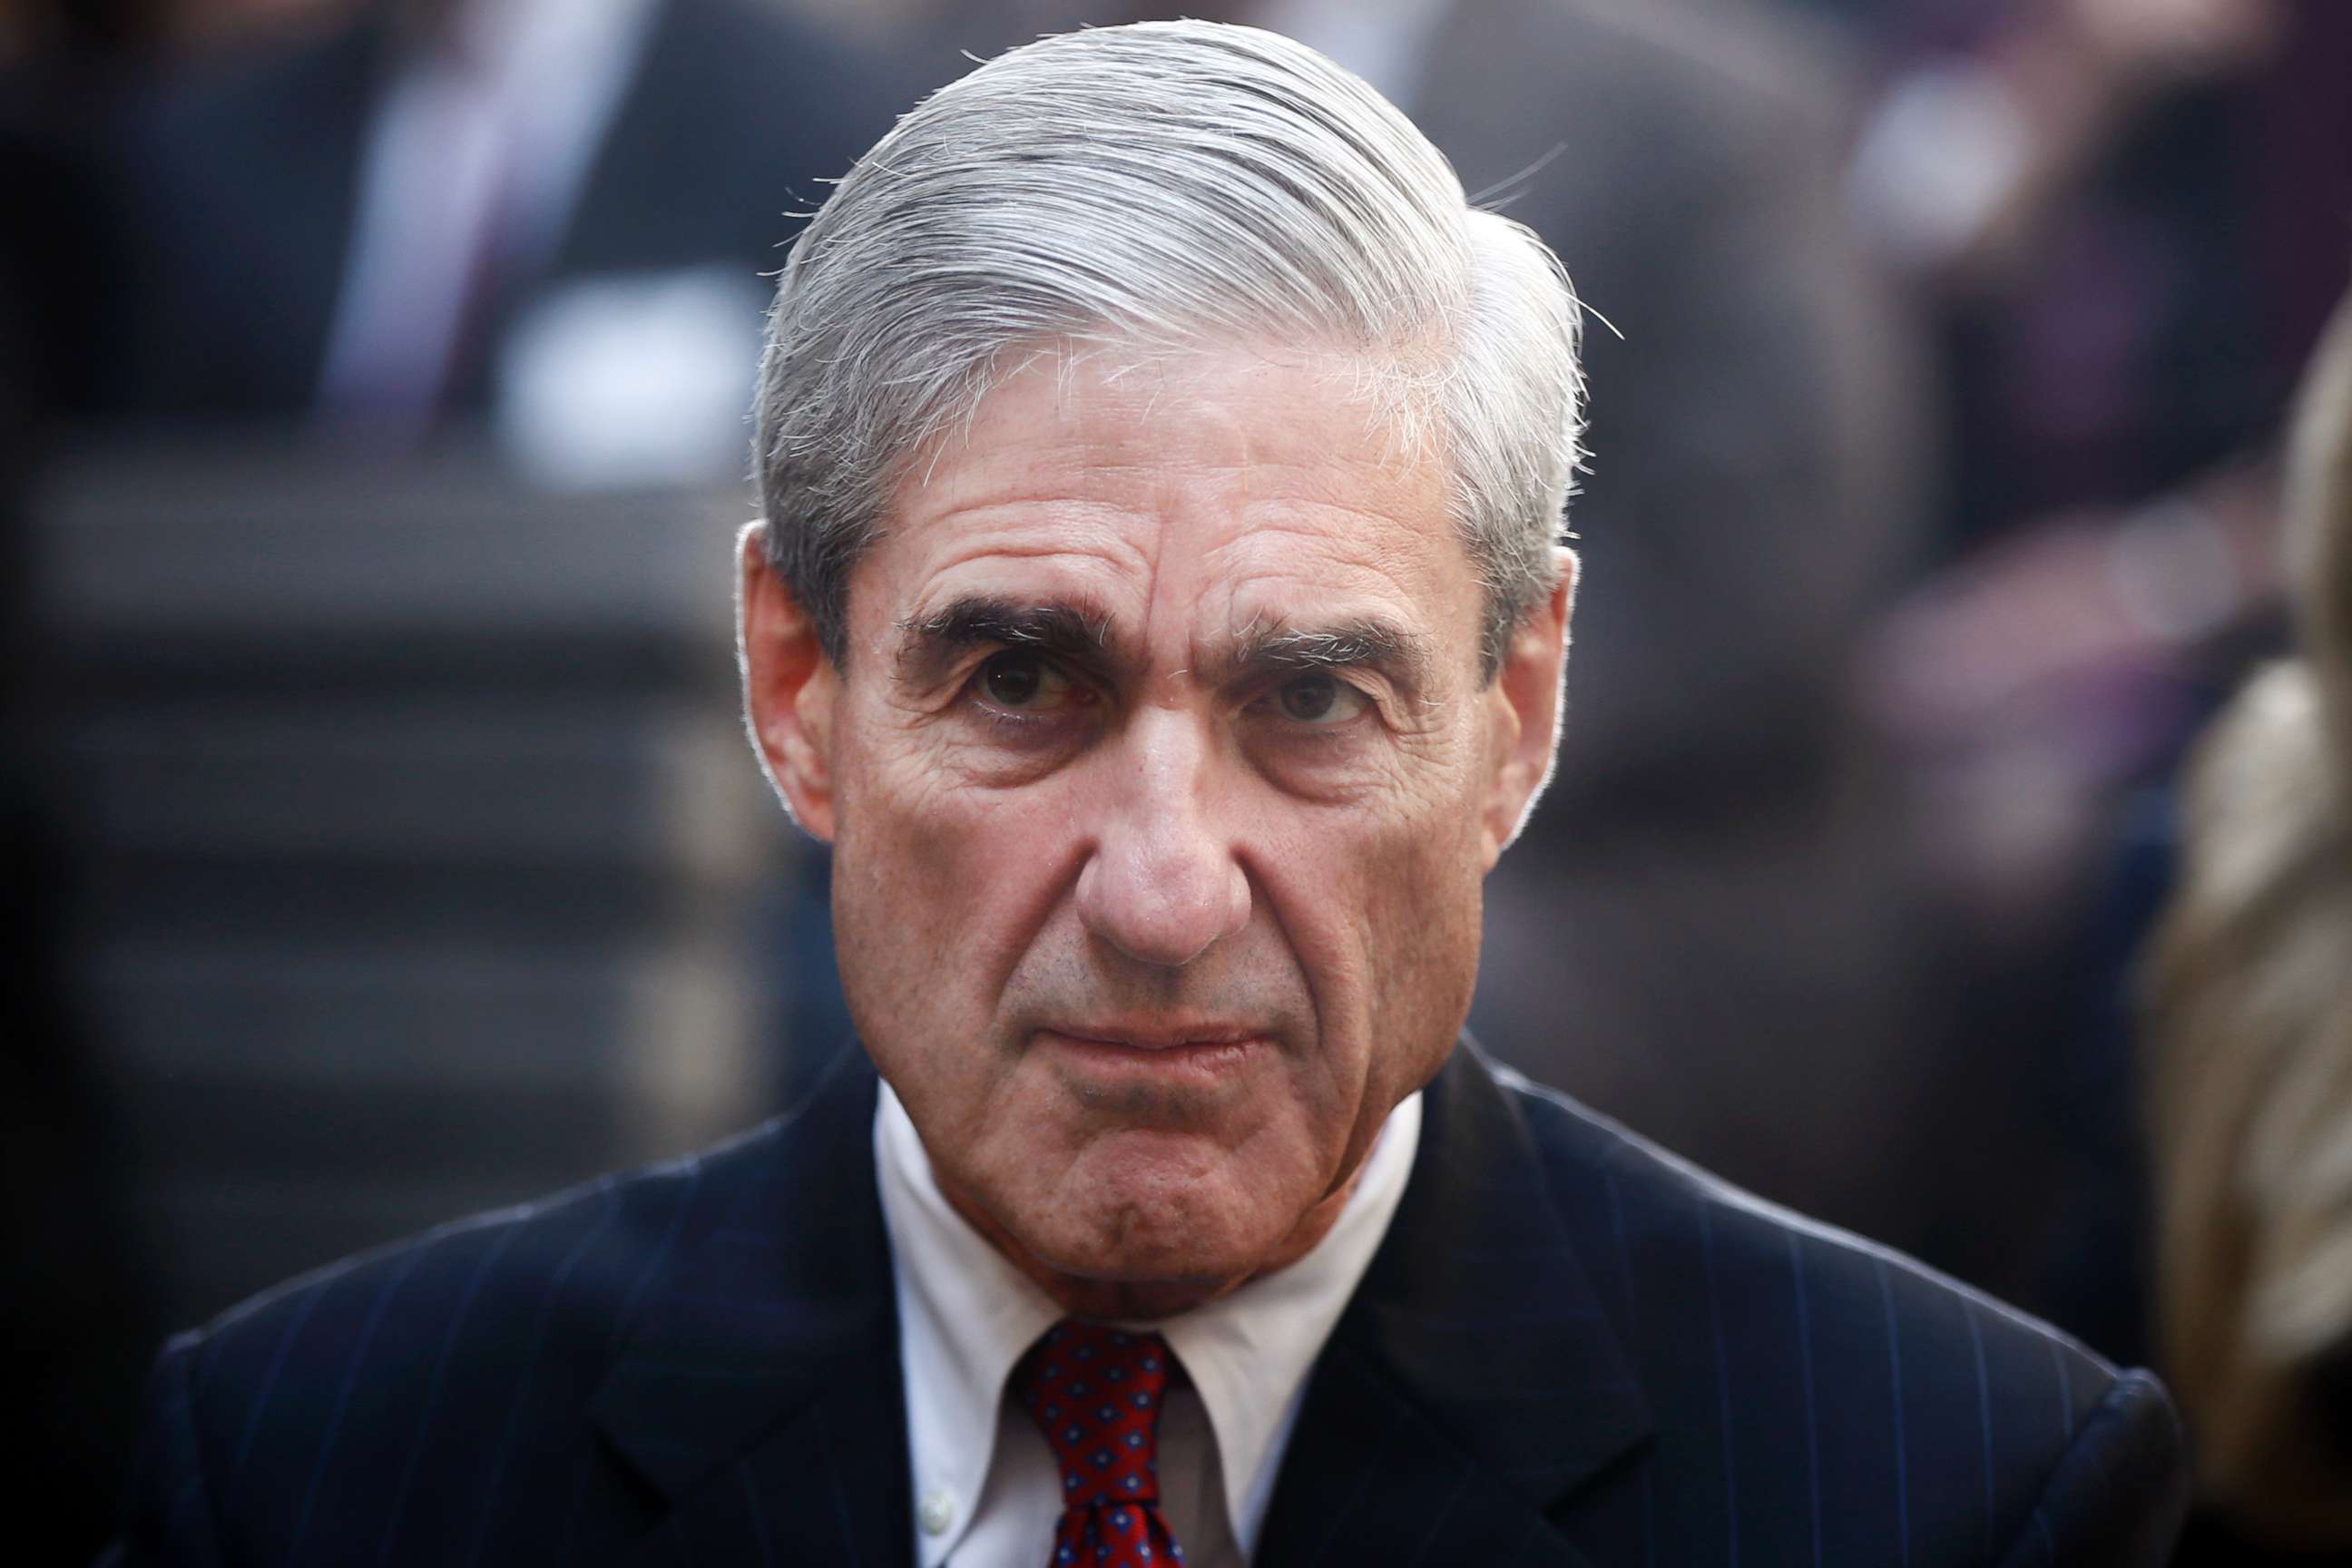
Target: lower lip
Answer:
[[1196, 1059]]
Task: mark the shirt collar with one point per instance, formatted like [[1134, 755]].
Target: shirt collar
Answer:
[[967, 1316], [1249, 1353]]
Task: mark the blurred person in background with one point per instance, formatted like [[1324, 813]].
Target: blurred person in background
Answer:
[[2125, 217], [1718, 897], [385, 219], [2127, 220], [2248, 1053]]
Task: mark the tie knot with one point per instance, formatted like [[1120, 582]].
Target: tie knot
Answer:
[[1096, 1392]]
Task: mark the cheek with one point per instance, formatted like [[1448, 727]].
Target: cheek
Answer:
[[1424, 920], [1383, 907], [937, 888]]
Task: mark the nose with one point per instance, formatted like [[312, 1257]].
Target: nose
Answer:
[[1163, 885]]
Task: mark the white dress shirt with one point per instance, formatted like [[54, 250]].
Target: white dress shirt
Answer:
[[987, 1494]]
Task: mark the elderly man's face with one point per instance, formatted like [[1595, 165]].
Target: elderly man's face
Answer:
[[1163, 780]]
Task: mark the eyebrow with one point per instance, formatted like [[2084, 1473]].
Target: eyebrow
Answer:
[[1082, 636], [1075, 632], [1268, 650]]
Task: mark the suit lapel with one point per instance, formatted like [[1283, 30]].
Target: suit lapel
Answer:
[[761, 1400], [1470, 1389], [1473, 1384]]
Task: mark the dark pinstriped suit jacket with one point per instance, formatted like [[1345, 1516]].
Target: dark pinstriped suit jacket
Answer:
[[1569, 1350]]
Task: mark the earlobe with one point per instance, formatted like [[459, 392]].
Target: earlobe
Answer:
[[790, 686], [1524, 706]]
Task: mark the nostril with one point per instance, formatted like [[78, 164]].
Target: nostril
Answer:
[[1161, 910]]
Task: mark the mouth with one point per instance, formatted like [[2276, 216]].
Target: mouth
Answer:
[[1207, 1051]]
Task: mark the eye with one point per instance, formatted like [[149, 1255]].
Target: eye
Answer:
[[1021, 683], [1318, 699]]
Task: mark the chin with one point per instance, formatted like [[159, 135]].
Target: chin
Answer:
[[1125, 1281], [1165, 1260], [1153, 1233]]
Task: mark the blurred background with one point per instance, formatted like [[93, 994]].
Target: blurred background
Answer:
[[381, 844]]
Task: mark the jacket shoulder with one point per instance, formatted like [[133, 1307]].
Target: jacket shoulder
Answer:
[[580, 1259], [330, 1415], [1929, 1416]]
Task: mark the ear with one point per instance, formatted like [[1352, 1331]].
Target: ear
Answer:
[[1523, 704], [791, 689]]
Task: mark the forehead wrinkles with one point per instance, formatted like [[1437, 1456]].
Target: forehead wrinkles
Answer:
[[1304, 551], [1190, 501], [1316, 519], [1227, 569]]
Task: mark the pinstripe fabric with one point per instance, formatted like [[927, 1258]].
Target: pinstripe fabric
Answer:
[[1571, 1350]]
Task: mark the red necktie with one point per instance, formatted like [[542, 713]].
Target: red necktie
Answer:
[[1096, 1392]]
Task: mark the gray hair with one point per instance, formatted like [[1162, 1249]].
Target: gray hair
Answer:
[[1169, 185]]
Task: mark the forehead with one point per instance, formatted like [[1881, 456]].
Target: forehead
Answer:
[[1180, 498]]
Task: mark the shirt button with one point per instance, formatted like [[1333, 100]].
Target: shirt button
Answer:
[[937, 1512]]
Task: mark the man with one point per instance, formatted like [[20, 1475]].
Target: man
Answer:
[[1160, 609], [1748, 980]]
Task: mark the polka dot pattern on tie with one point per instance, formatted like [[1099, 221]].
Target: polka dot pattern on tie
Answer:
[[1096, 1393]]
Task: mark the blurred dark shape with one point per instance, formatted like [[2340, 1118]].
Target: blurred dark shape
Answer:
[[2130, 217], [75, 1287], [2250, 1058], [426, 871], [553, 215], [378, 814], [67, 1249], [1705, 930], [2127, 219]]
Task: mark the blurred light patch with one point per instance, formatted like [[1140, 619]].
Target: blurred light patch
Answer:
[[632, 383]]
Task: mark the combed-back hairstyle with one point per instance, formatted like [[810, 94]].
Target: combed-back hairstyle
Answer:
[[1162, 187]]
